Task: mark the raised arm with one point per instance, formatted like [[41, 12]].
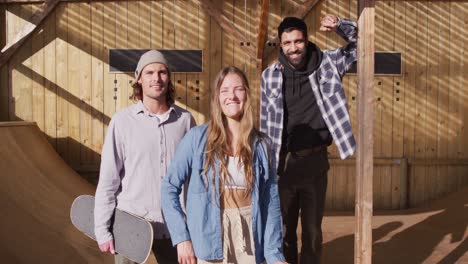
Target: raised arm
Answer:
[[345, 56]]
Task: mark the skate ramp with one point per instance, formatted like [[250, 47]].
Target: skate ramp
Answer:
[[36, 191]]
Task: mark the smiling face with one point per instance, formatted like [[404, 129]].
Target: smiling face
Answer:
[[293, 45], [232, 97], [154, 81]]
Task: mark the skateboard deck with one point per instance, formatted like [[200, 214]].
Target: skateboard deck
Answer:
[[133, 235]]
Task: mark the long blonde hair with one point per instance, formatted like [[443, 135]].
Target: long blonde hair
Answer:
[[218, 145]]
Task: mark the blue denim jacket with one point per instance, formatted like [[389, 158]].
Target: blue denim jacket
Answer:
[[202, 222]]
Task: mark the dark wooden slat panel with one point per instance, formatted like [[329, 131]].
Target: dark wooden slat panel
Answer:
[[125, 60], [385, 63]]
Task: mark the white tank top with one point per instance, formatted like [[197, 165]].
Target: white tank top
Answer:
[[236, 171]]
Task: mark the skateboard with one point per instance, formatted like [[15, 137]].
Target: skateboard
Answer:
[[133, 235]]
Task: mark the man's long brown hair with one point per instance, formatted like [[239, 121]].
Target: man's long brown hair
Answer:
[[218, 145]]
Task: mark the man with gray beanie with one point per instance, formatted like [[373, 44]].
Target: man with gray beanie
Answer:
[[138, 148], [303, 109]]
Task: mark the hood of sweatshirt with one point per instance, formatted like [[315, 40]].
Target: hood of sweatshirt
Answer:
[[297, 78]]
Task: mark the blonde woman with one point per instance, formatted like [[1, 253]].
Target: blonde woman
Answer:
[[232, 209]]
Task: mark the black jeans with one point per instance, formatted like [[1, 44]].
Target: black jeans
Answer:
[[162, 249], [302, 187]]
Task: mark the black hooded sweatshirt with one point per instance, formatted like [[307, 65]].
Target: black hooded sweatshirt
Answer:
[[303, 122]]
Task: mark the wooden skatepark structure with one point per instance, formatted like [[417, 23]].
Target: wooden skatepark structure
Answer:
[[411, 126]]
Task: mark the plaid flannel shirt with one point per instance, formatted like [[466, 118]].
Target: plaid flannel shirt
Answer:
[[328, 90]]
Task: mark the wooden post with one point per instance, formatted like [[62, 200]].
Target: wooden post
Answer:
[[262, 12], [365, 140]]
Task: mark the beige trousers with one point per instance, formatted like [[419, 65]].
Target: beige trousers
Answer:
[[238, 245]]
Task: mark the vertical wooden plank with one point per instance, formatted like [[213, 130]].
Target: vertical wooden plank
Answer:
[[193, 42], [443, 8], [4, 89], [37, 74], [274, 19], [254, 67], [455, 124], [433, 54], [50, 91], [85, 84], [350, 197], [97, 83], [378, 112], [168, 25], [216, 56], [398, 104], [204, 85], [180, 83], [74, 83], [21, 74], [287, 8], [387, 106], [239, 18], [145, 24], [352, 102], [464, 95], [418, 188], [169, 17], [110, 80], [311, 21], [364, 160], [179, 22], [156, 33], [11, 30], [410, 83], [133, 35], [227, 43], [121, 42], [320, 10], [61, 60]]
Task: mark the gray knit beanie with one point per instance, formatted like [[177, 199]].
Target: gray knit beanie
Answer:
[[152, 56]]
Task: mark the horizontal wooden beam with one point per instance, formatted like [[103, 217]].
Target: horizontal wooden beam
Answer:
[[39, 16]]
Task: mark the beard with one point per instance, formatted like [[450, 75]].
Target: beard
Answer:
[[298, 60]]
